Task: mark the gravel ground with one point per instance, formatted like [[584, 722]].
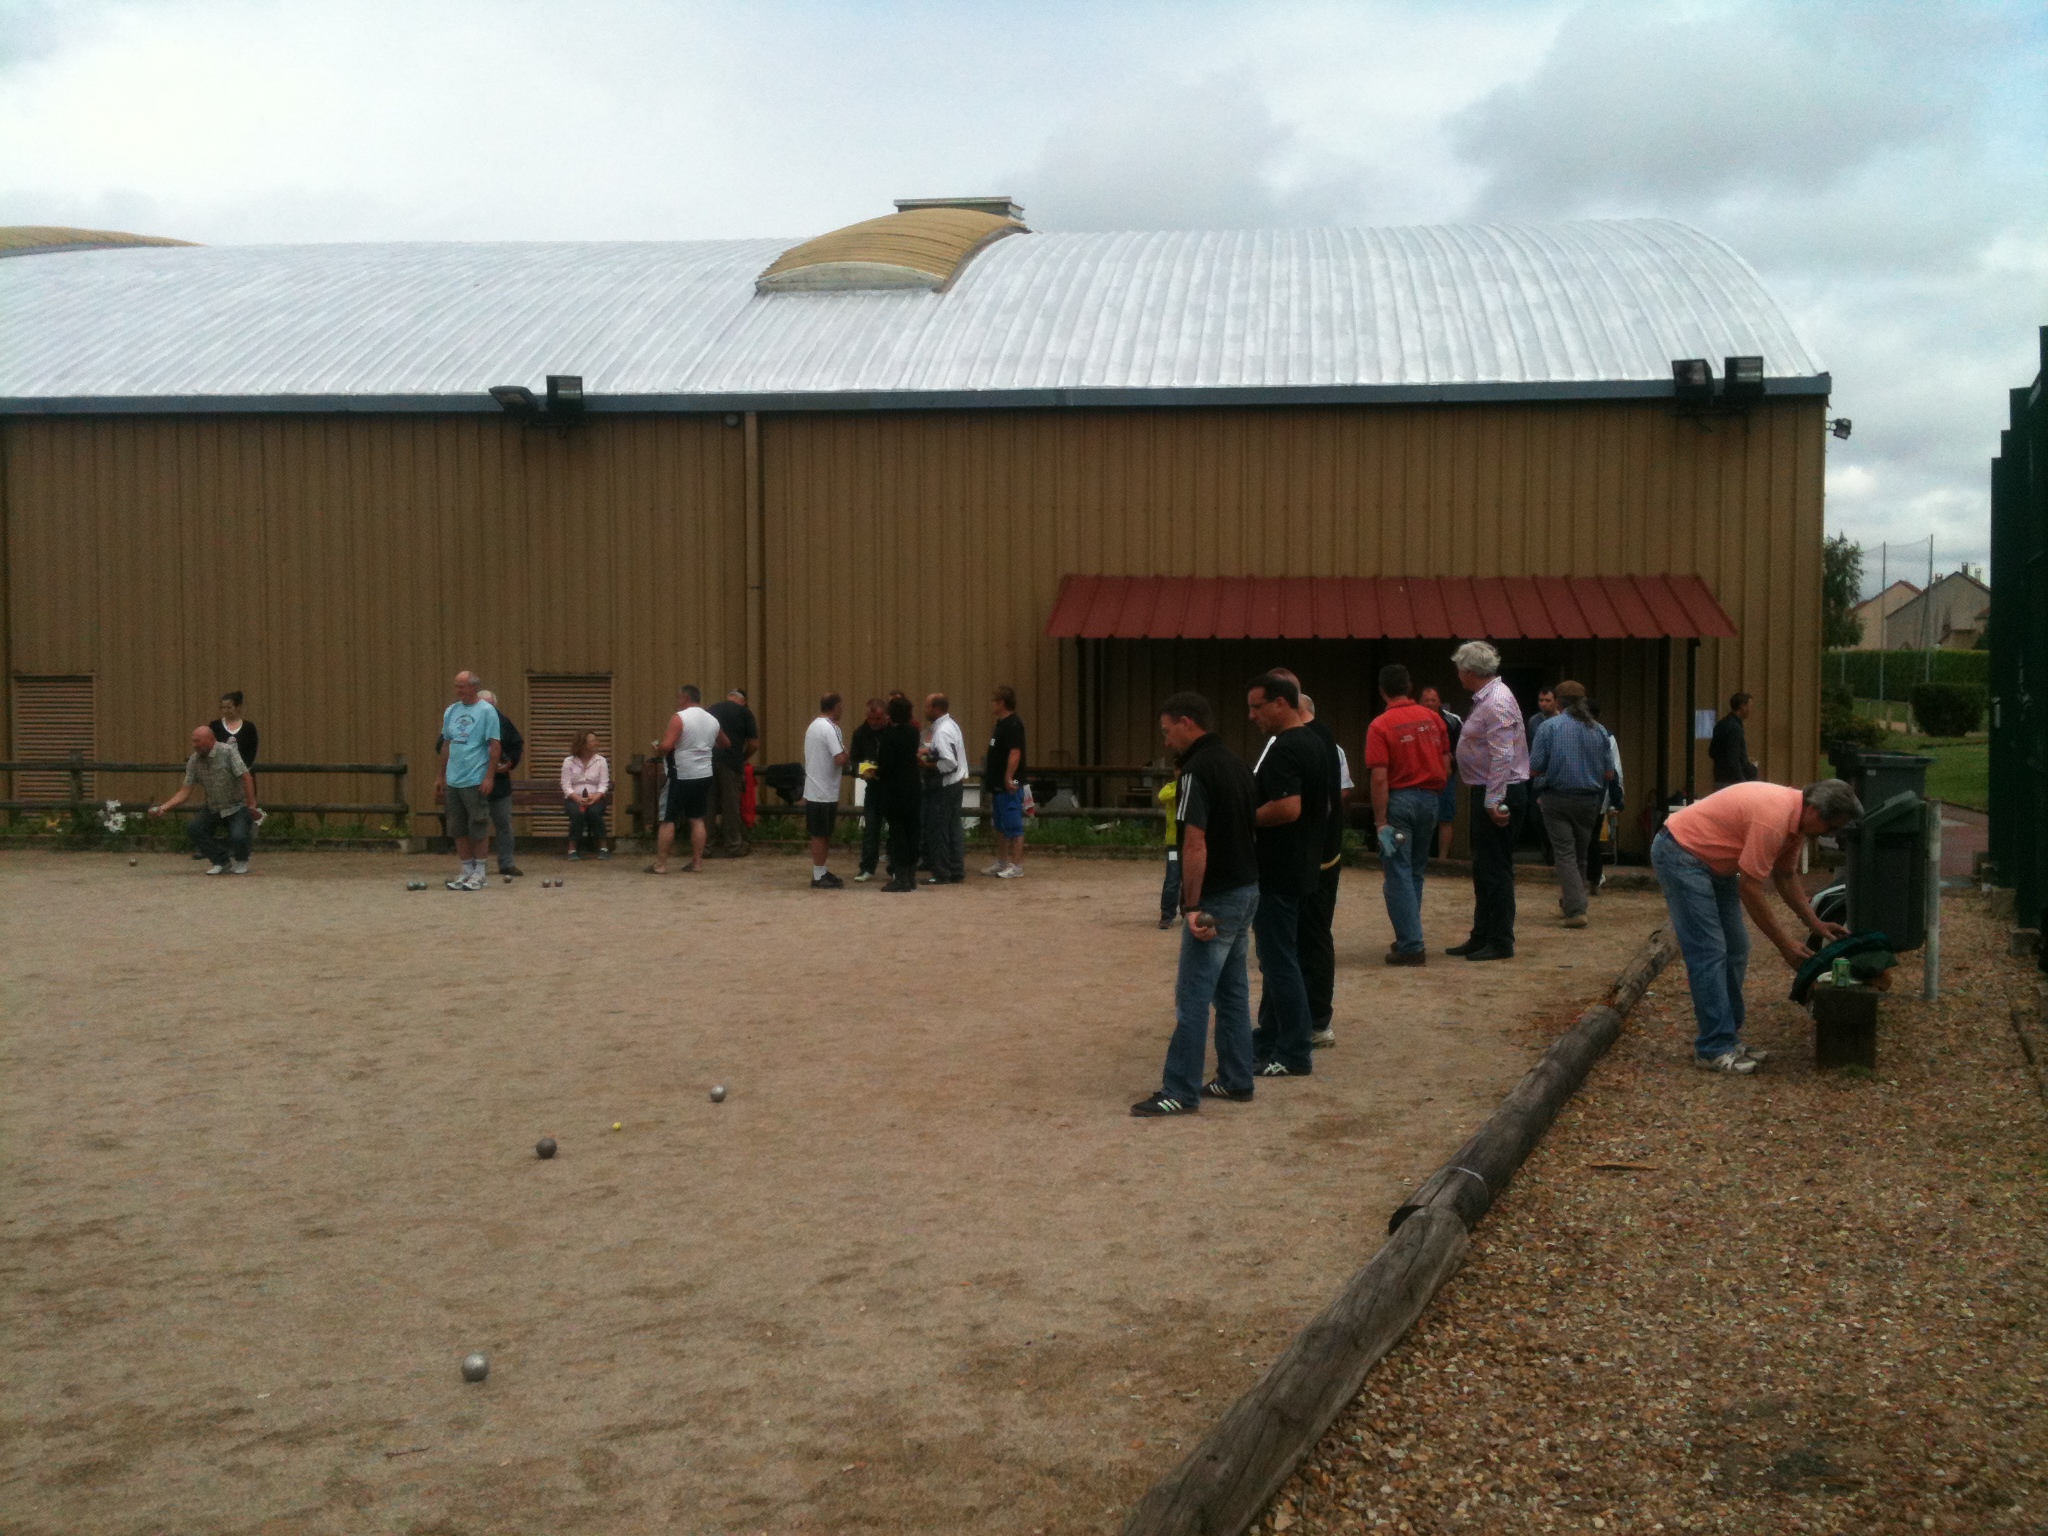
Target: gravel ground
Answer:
[[1821, 1304]]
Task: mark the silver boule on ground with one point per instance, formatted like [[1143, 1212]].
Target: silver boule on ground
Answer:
[[475, 1367]]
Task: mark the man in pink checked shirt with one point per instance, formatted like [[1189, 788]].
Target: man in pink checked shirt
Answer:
[[1493, 759]]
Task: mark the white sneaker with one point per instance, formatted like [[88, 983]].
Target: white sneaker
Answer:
[[1010, 872], [1733, 1061], [863, 877], [218, 869], [474, 883], [241, 866], [1318, 1038], [460, 883], [996, 868]]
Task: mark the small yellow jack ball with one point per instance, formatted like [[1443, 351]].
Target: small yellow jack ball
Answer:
[[618, 1125]]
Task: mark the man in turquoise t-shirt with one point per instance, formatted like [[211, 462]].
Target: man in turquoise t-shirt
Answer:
[[470, 733]]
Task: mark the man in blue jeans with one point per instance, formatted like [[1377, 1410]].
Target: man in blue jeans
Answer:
[[1408, 754], [1213, 816], [1714, 859]]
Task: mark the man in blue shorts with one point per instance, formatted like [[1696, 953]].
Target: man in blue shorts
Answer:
[[1002, 780]]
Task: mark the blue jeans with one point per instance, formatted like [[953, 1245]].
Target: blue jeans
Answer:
[[1706, 919], [1413, 813], [205, 830], [1214, 970], [1284, 1025], [1169, 888]]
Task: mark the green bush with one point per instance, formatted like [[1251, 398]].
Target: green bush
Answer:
[[1948, 709], [1857, 671], [1840, 722]]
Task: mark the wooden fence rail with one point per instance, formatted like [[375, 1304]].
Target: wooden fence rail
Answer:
[[77, 766]]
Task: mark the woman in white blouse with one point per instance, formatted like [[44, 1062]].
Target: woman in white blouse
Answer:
[[586, 785]]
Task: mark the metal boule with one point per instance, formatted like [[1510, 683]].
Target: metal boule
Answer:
[[544, 1148], [476, 1367], [718, 1093]]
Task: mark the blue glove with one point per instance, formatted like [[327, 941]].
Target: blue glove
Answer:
[[1390, 842]]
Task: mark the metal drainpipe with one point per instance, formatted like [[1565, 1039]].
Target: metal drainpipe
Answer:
[[1930, 952], [757, 645]]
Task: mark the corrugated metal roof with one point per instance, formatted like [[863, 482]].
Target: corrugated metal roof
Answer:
[[1386, 608], [1591, 308]]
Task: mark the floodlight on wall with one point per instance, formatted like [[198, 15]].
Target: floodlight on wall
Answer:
[[515, 399], [1840, 427], [1742, 380], [565, 397], [1692, 380]]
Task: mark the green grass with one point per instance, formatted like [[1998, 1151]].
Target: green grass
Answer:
[[1961, 774]]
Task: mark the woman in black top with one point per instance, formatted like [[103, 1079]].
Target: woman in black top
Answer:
[[232, 727], [897, 786]]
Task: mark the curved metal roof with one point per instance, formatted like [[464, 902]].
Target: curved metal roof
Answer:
[[1500, 311]]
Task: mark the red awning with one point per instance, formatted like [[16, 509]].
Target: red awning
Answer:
[[1386, 608]]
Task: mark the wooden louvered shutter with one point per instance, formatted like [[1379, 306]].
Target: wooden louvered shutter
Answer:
[[53, 718], [557, 707]]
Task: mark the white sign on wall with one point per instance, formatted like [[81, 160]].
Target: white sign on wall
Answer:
[[1703, 725]]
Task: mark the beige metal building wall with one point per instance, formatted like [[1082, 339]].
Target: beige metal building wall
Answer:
[[925, 551], [339, 570]]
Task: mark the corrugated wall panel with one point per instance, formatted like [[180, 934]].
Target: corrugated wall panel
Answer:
[[339, 570]]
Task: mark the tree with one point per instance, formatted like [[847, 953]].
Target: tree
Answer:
[[1841, 577]]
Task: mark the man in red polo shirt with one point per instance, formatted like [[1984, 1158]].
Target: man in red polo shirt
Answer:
[[1408, 753]]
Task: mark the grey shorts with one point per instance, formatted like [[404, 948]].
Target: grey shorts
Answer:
[[469, 814]]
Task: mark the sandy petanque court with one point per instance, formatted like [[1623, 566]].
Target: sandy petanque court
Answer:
[[270, 1174]]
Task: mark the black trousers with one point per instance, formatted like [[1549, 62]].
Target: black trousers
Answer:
[[872, 822], [1493, 867], [1317, 946], [903, 830]]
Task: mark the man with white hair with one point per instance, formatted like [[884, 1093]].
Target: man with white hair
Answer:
[[1493, 762], [1713, 859]]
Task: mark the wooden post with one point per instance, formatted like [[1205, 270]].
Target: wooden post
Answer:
[[1225, 1481], [404, 800]]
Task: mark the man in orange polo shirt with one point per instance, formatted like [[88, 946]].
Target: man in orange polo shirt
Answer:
[[1408, 755], [1713, 860]]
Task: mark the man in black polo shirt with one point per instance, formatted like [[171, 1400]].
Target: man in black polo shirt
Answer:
[[1294, 797], [1319, 908], [1214, 835]]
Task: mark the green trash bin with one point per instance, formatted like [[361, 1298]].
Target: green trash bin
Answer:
[[1886, 870], [1879, 776]]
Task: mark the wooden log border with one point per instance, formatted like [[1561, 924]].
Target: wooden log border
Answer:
[[1221, 1485]]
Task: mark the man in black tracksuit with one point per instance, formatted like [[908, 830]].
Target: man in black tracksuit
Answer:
[[1319, 908], [1295, 789], [866, 747]]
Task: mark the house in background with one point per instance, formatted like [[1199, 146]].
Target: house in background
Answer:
[[1872, 612], [1948, 616]]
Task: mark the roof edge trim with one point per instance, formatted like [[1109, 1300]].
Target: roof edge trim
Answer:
[[1820, 384]]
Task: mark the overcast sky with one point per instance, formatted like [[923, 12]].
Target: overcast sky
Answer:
[[1885, 166]]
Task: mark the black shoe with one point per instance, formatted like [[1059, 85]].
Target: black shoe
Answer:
[[1467, 947], [1278, 1069], [1167, 922], [896, 887], [1160, 1104], [828, 882], [514, 873], [1493, 952], [1215, 1090]]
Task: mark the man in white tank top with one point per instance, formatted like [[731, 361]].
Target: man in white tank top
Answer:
[[693, 733]]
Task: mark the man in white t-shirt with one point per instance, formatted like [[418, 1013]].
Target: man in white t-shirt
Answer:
[[824, 762], [944, 756], [693, 735]]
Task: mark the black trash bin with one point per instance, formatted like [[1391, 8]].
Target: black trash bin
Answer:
[[1886, 869], [1879, 776]]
